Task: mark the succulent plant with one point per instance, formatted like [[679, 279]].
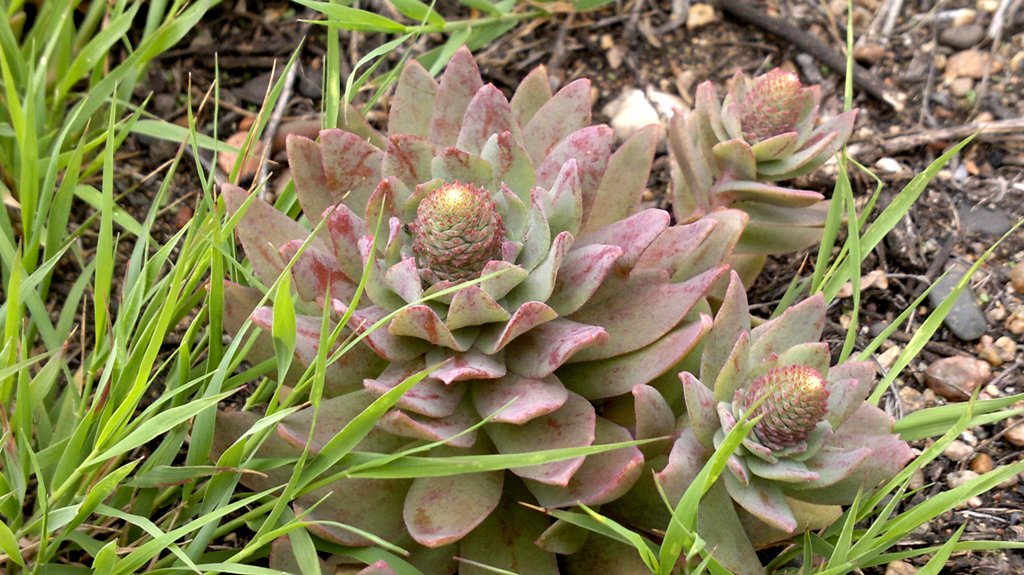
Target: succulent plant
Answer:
[[579, 296], [729, 154], [817, 441]]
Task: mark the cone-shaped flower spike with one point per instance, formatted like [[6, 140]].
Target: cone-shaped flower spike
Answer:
[[817, 441], [579, 296], [728, 154]]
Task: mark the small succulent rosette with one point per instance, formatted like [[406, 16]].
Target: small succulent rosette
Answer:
[[729, 154], [579, 296], [817, 442]]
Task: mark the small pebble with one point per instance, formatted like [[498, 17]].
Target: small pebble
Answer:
[[917, 480], [975, 502], [988, 6], [982, 464], [965, 319], [700, 15], [900, 568], [962, 37], [888, 358], [1015, 432], [971, 63], [961, 87], [1017, 274], [955, 378], [958, 450], [912, 400], [1010, 483], [958, 478], [1015, 323], [889, 165], [630, 112], [997, 352], [869, 53]]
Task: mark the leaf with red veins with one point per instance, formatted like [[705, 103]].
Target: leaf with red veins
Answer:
[[563, 202], [429, 397], [404, 279], [685, 461], [421, 322], [541, 281], [388, 346], [633, 234], [472, 306], [583, 270], [764, 500], [445, 428], [413, 103], [459, 83], [631, 327], [511, 164], [306, 164], [589, 146], [801, 323], [262, 231], [618, 375], [494, 338], [507, 276], [408, 158], [377, 568], [488, 113], [572, 425], [346, 230], [566, 112], [442, 510], [373, 505], [625, 179], [472, 364], [523, 398], [351, 166], [455, 165], [543, 349], [533, 92], [317, 274], [603, 477], [654, 417]]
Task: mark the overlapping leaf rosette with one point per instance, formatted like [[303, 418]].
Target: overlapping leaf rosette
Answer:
[[732, 153], [582, 296], [816, 444]]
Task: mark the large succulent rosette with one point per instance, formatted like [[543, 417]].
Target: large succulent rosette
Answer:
[[731, 153], [816, 444], [581, 297]]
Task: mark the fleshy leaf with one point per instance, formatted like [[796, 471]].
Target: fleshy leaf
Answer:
[[421, 322], [413, 104], [516, 527], [351, 166], [388, 346], [737, 159], [541, 281], [472, 364], [563, 203], [571, 425], [455, 165], [316, 273], [764, 500], [566, 112], [335, 413], [433, 428], [624, 180], [346, 230], [429, 397], [460, 82], [473, 306], [373, 505], [529, 398], [540, 351], [784, 470], [533, 92], [442, 510], [701, 408], [590, 147], [733, 318], [488, 113], [633, 234], [800, 323], [582, 272], [404, 279], [408, 158], [528, 316], [511, 164], [749, 191]]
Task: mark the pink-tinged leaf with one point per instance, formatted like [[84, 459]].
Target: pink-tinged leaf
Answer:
[[493, 339], [776, 230], [384, 344], [541, 281], [801, 323], [862, 371], [630, 326], [459, 83], [511, 164], [307, 168], [748, 191], [590, 147], [421, 322], [378, 568], [429, 397], [673, 243], [346, 230], [262, 231], [232, 425], [563, 538], [776, 147], [317, 274], [404, 279], [373, 505], [533, 92], [408, 158], [606, 556], [735, 372], [784, 470], [473, 306], [685, 461], [701, 408], [709, 111], [602, 478], [814, 355], [618, 375], [692, 170], [844, 399], [830, 466], [582, 271], [563, 203], [827, 139], [571, 425], [351, 166], [888, 454], [736, 160], [654, 417], [442, 510], [633, 234], [383, 207], [455, 165], [719, 526], [489, 113], [499, 285], [376, 288], [539, 352], [470, 365], [239, 303], [566, 112], [718, 247], [335, 413], [733, 318], [762, 499], [413, 104], [505, 541], [537, 240], [525, 398], [433, 428], [354, 121], [625, 179], [282, 558]]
